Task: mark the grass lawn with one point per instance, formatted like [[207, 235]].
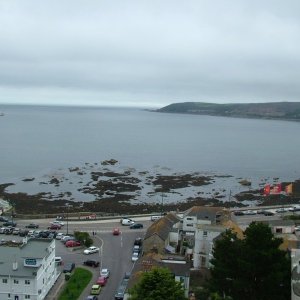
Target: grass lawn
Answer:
[[76, 284]]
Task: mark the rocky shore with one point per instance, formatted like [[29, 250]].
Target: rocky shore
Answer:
[[109, 188]]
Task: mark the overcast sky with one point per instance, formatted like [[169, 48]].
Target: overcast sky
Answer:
[[149, 53]]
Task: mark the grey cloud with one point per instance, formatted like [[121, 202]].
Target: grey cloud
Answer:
[[143, 52]]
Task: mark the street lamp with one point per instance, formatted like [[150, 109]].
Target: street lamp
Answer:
[[162, 204], [67, 211]]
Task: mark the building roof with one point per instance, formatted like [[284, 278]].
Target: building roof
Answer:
[[282, 223], [34, 248], [204, 212], [163, 226], [176, 264]]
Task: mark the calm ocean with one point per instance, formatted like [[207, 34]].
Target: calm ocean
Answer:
[[36, 140]]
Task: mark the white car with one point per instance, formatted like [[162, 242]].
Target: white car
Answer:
[[127, 222], [59, 236], [91, 250], [57, 223], [104, 273], [135, 256]]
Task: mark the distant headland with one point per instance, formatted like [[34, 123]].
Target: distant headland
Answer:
[[269, 110]]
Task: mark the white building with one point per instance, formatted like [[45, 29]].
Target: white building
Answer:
[[28, 270]]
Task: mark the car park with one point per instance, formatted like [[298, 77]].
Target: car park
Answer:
[[96, 288], [127, 222], [69, 267], [91, 250], [136, 226], [116, 231], [91, 263], [104, 272], [72, 244], [101, 280], [32, 225]]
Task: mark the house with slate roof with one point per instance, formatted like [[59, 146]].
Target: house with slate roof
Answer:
[[162, 236], [27, 270], [177, 265]]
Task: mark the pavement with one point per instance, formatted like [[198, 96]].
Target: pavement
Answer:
[[57, 288]]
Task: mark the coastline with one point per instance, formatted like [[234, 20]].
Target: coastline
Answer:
[[110, 188]]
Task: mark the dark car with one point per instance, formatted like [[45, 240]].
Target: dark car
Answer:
[[138, 241], [3, 219], [238, 213], [91, 263], [69, 267], [54, 227], [23, 232], [32, 225], [268, 213], [10, 223], [136, 226]]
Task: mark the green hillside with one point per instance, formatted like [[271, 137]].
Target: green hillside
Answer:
[[271, 110]]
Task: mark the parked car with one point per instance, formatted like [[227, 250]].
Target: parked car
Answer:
[[72, 244], [54, 227], [136, 226], [16, 231], [32, 225], [91, 297], [116, 231], [23, 232], [249, 212], [136, 248], [138, 241], [3, 219], [155, 218], [91, 250], [59, 235], [127, 222], [66, 238], [101, 280], [56, 222], [91, 263], [135, 256], [105, 272], [10, 223], [58, 260], [268, 213], [238, 213], [96, 288], [69, 267]]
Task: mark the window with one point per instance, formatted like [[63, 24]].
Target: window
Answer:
[[204, 233], [16, 281], [189, 225], [27, 281], [190, 219], [8, 296], [4, 280], [27, 296]]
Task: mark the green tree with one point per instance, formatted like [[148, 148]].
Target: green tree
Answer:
[[84, 238], [158, 284], [250, 269]]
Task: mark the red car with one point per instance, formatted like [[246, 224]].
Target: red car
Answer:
[[72, 244], [116, 231], [101, 281], [54, 227]]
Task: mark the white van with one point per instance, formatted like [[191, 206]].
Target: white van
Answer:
[[127, 222], [155, 218]]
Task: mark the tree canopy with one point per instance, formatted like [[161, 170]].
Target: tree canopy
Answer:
[[157, 284], [253, 268]]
